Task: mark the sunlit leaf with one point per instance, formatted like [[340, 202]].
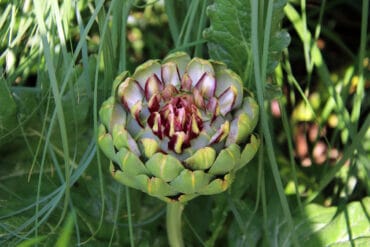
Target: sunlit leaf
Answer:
[[335, 225], [230, 35], [327, 226]]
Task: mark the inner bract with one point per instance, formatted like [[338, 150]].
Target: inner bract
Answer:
[[178, 119]]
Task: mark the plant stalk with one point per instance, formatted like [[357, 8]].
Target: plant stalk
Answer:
[[173, 221]]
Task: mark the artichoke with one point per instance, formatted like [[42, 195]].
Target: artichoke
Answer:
[[178, 129]]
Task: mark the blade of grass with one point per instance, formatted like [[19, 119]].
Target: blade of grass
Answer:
[[70, 68], [54, 115], [193, 10], [109, 57], [184, 27], [306, 37], [81, 167], [347, 155], [54, 196], [287, 130], [65, 236], [104, 27], [126, 6], [80, 44], [260, 78], [43, 130], [261, 166], [66, 14], [359, 96], [291, 78], [260, 178], [322, 69], [116, 213], [309, 43], [84, 50], [32, 242], [188, 45], [57, 97], [103, 30], [60, 30], [100, 177], [172, 22], [129, 216], [116, 26], [4, 17], [201, 26]]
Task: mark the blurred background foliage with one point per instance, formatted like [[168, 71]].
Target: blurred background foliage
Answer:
[[58, 60]]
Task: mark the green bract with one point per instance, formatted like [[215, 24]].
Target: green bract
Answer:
[[178, 129]]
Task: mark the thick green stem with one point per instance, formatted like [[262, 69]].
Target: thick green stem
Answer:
[[174, 211]]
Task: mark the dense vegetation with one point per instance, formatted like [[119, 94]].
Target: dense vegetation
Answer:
[[306, 62]]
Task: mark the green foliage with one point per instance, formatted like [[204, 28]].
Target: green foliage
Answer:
[[230, 35], [57, 64], [66, 233], [335, 226], [8, 110], [32, 242], [315, 226]]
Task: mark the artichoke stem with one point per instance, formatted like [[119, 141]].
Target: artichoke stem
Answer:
[[174, 211]]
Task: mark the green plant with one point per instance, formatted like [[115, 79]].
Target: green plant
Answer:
[[305, 62], [178, 129]]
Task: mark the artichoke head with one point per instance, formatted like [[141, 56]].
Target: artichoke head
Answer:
[[179, 128]]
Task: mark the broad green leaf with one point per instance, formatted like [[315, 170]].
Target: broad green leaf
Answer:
[[229, 35], [347, 225], [335, 225]]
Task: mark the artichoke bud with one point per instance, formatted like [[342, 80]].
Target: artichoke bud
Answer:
[[178, 129]]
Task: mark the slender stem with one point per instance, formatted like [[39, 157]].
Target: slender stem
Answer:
[[128, 203], [174, 211]]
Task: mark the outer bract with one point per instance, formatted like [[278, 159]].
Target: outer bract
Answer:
[[179, 128]]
